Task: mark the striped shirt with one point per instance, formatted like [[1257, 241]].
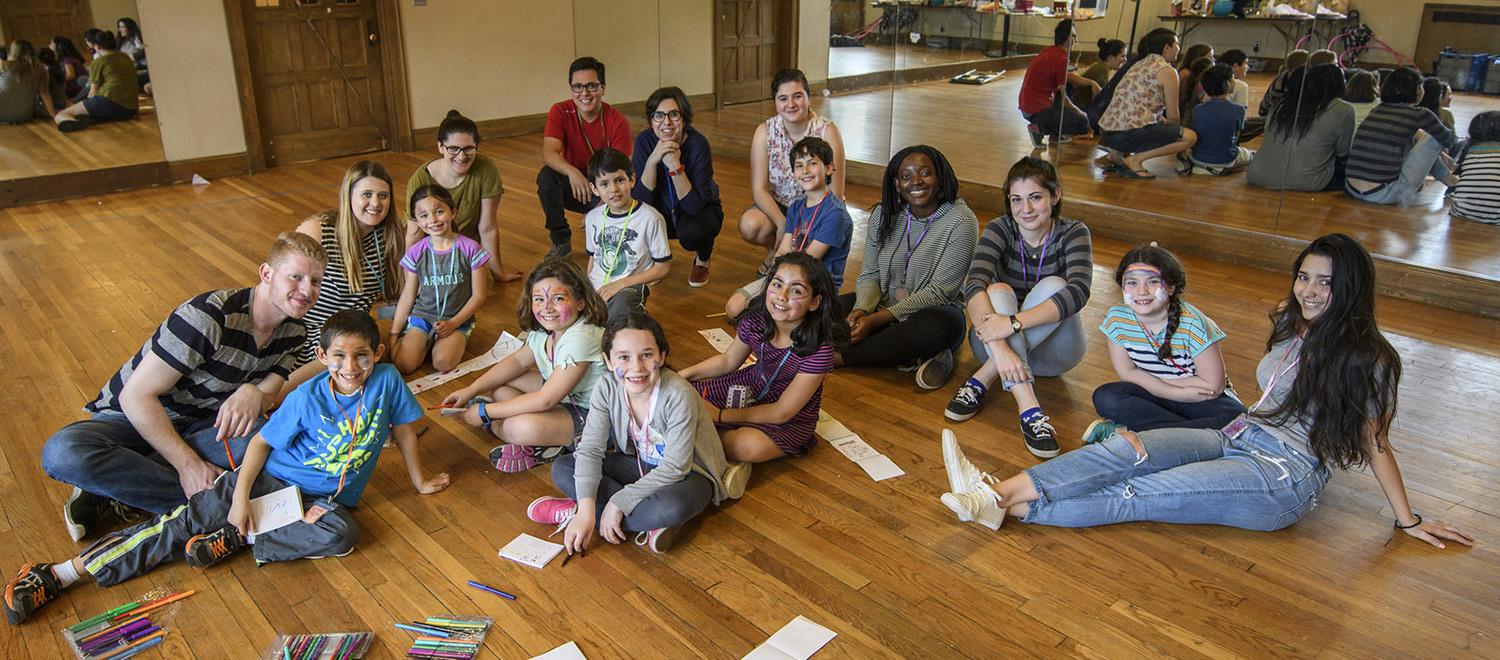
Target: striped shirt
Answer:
[[335, 295], [210, 340], [765, 381], [1381, 142], [931, 266], [1003, 257], [1195, 333], [1477, 196]]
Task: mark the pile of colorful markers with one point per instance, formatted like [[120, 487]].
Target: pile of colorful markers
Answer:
[[447, 636], [121, 632], [335, 646]]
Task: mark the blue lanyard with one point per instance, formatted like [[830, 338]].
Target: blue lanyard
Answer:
[[439, 291], [767, 386]]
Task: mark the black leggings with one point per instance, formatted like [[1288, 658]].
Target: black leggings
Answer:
[[697, 232], [903, 343]]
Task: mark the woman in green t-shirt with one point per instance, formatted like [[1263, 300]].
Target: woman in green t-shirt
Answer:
[[112, 86], [473, 181]]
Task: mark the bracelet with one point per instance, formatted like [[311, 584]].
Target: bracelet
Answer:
[[1398, 524], [484, 415], [720, 418]]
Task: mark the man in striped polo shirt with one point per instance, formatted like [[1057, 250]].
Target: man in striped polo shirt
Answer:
[[185, 406]]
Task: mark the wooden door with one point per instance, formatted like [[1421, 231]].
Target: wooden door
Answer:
[[753, 40], [38, 21], [319, 84]]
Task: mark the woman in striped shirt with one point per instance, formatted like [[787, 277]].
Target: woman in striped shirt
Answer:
[[1029, 278], [363, 241], [1477, 196], [906, 305]]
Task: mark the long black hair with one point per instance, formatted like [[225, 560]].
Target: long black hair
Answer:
[[824, 325], [1310, 90], [890, 197], [1172, 274], [1484, 127], [1349, 374]]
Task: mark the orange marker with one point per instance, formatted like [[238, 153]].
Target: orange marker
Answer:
[[158, 603]]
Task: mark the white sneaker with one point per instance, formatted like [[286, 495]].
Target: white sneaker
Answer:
[[735, 479], [979, 504], [962, 475]]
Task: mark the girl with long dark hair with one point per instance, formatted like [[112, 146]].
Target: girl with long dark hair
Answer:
[[1329, 382], [1308, 134]]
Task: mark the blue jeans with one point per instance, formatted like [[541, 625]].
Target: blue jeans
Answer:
[[1140, 410], [1420, 161], [1189, 476], [106, 456], [1047, 350]]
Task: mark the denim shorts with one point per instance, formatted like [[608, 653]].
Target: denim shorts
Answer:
[[579, 414], [425, 326], [103, 108], [1145, 138]]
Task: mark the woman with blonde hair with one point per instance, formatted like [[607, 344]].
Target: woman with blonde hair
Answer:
[[22, 81]]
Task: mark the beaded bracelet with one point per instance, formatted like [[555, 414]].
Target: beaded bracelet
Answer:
[[1418, 522]]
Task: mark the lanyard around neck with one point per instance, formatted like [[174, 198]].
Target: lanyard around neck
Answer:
[[643, 443], [806, 231], [1278, 372], [614, 256], [583, 127], [353, 428], [906, 265], [440, 292], [1151, 341], [765, 388], [1025, 273]]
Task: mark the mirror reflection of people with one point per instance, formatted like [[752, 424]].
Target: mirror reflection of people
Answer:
[[1044, 100], [113, 88], [1308, 136], [128, 35], [23, 84], [75, 70], [1142, 121]]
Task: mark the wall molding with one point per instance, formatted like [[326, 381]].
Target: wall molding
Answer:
[[67, 185]]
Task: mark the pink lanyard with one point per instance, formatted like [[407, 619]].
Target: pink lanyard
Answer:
[[806, 233], [643, 442], [1277, 372]]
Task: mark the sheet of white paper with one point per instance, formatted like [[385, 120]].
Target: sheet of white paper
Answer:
[[717, 338], [567, 651], [275, 510], [854, 448], [767, 652], [831, 429], [531, 551], [880, 468], [504, 346], [799, 639]]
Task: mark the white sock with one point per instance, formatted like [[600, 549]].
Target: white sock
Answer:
[[65, 573]]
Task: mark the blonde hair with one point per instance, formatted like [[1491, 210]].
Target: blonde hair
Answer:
[[388, 234], [1320, 57], [1294, 60], [290, 243]]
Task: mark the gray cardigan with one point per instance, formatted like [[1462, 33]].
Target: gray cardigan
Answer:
[[692, 443]]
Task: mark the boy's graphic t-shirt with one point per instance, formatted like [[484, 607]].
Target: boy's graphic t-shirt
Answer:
[[446, 277], [626, 244], [827, 222], [310, 433]]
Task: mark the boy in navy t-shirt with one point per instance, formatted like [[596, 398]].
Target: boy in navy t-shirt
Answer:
[[1218, 122], [324, 439], [817, 224]]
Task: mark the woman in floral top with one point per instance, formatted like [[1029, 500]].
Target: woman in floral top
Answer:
[[1142, 120]]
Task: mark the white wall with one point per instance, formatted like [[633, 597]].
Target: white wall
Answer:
[[192, 77], [813, 17]]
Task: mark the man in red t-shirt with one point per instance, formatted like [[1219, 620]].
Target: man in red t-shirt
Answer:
[[1044, 98], [576, 128]]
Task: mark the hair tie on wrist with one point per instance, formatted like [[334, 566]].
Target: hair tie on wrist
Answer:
[[1418, 522]]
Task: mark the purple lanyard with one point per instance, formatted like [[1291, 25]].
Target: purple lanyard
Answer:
[[1025, 273], [909, 247]]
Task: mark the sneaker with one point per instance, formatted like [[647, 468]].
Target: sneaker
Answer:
[[1041, 438], [29, 590], [979, 504], [935, 371], [699, 275], [549, 454], [659, 540], [736, 478], [1099, 430], [552, 511], [965, 403], [82, 511], [205, 550], [1036, 135], [513, 458], [962, 475], [560, 250]]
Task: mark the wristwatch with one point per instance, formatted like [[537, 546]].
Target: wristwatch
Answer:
[[1015, 323]]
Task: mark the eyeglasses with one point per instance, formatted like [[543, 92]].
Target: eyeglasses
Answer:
[[454, 150], [659, 117], [592, 87]]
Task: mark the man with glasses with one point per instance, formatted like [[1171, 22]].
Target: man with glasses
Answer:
[[674, 173], [576, 128]]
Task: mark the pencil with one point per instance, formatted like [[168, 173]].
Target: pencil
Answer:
[[712, 316]]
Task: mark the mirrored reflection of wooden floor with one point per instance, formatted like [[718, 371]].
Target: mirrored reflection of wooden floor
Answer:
[[982, 133], [882, 564], [37, 148], [874, 58]]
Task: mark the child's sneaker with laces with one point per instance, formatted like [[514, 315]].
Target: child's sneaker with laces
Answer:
[[557, 511], [659, 540], [205, 550], [513, 458], [29, 590]]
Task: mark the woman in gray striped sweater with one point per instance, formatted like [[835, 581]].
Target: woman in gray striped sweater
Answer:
[[906, 309], [1029, 279]]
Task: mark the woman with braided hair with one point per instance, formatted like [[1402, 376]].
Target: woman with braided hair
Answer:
[[1165, 351]]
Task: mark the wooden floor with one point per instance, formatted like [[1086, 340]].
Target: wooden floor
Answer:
[[982, 133], [37, 148], [884, 565], [874, 58]]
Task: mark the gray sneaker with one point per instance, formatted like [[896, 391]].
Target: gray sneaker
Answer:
[[935, 371]]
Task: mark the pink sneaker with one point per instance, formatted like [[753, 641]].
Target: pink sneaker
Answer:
[[551, 510], [513, 458], [659, 540]]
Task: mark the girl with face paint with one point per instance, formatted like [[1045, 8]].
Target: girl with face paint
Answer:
[[535, 401], [668, 465], [1165, 351]]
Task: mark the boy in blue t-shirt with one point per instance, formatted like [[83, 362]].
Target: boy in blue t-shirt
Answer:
[[1218, 122], [324, 439], [817, 224]]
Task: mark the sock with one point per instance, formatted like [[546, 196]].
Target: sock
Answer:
[[65, 573], [974, 383], [1031, 412]]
